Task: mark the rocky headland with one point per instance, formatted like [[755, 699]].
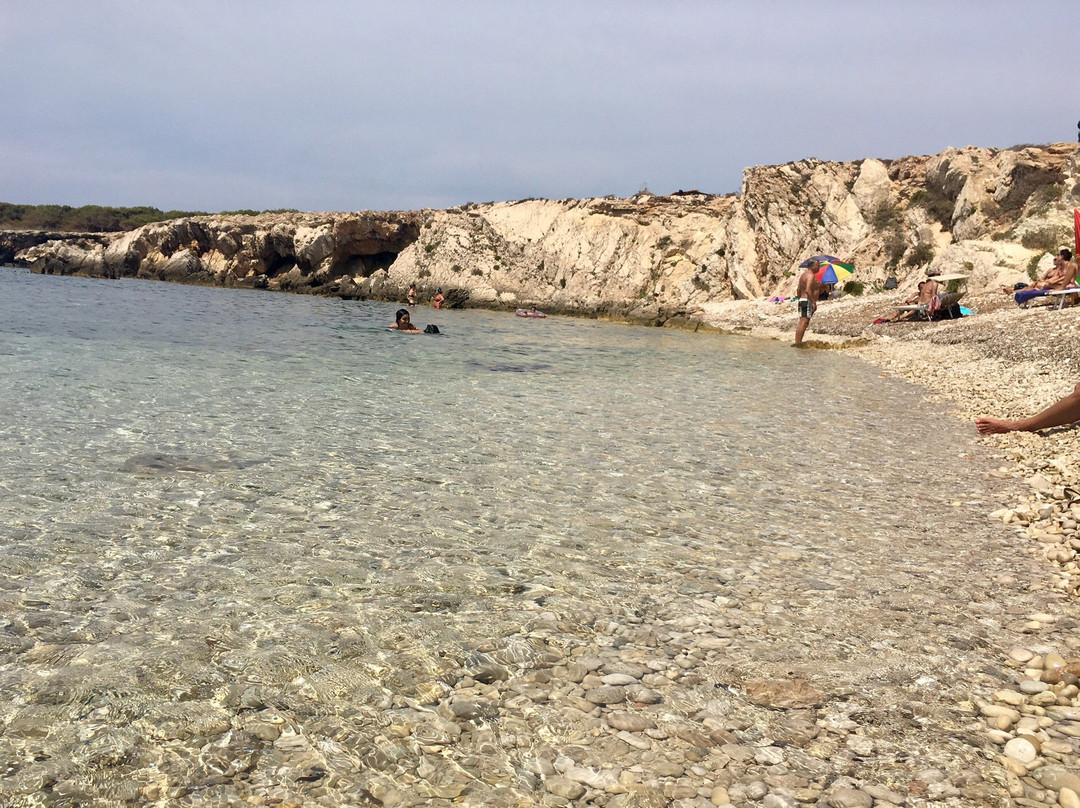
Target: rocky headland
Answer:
[[991, 214]]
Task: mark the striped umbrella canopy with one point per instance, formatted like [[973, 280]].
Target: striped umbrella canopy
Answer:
[[821, 259], [1076, 234], [834, 272]]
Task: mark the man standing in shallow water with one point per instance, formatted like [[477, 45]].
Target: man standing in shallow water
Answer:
[[809, 289]]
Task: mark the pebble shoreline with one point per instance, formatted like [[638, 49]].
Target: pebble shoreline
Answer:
[[1008, 363]]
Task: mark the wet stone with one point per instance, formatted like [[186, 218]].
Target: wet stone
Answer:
[[606, 694], [848, 798], [643, 695], [779, 801], [648, 797], [627, 668], [668, 768], [769, 756], [629, 722], [784, 693], [489, 673], [564, 787], [618, 679]]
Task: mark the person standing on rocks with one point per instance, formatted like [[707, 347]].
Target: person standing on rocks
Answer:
[[808, 292], [1063, 411]]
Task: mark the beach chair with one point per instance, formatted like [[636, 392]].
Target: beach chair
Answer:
[[920, 312], [955, 288], [949, 302], [1062, 295]]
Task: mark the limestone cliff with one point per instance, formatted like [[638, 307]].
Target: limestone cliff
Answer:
[[300, 252], [992, 214]]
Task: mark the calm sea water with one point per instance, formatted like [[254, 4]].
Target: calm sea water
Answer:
[[200, 486]]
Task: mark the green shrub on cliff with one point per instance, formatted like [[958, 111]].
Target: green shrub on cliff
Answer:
[[936, 204], [1045, 239], [96, 218], [1043, 196], [894, 248], [886, 216], [1033, 266], [920, 254]]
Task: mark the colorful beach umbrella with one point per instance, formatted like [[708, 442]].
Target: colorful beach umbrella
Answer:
[[1076, 234], [834, 272], [821, 259]]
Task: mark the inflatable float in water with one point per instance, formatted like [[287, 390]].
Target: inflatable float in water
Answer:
[[529, 313]]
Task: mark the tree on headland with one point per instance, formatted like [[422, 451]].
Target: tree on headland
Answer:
[[94, 218], [88, 218]]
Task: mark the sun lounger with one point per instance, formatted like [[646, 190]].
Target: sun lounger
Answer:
[[949, 301], [920, 312], [1027, 296], [924, 311], [1063, 294]]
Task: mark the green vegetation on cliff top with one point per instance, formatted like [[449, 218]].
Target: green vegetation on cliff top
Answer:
[[94, 218]]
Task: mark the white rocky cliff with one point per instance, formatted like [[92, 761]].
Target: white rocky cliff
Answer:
[[992, 214]]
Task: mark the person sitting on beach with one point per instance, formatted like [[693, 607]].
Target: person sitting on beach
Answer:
[[927, 295], [1048, 280], [1061, 275], [403, 321], [1063, 411]]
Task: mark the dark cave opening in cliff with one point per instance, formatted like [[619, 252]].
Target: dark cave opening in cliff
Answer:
[[279, 264], [364, 265]]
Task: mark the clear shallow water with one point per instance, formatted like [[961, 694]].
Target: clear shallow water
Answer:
[[207, 490]]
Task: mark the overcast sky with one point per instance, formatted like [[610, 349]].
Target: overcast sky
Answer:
[[402, 105]]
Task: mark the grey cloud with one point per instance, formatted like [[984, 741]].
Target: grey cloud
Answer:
[[408, 104]]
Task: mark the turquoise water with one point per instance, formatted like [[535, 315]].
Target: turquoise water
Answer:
[[205, 488]]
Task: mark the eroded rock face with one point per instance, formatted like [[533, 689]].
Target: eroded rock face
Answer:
[[288, 251], [15, 242], [987, 213]]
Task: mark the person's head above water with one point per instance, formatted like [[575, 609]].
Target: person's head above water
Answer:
[[402, 314]]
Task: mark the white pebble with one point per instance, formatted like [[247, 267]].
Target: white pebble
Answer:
[[1021, 750]]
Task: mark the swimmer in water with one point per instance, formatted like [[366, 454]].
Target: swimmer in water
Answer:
[[403, 321]]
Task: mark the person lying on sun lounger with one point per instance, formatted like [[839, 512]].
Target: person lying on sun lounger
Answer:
[[1063, 411], [928, 292], [1061, 275]]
